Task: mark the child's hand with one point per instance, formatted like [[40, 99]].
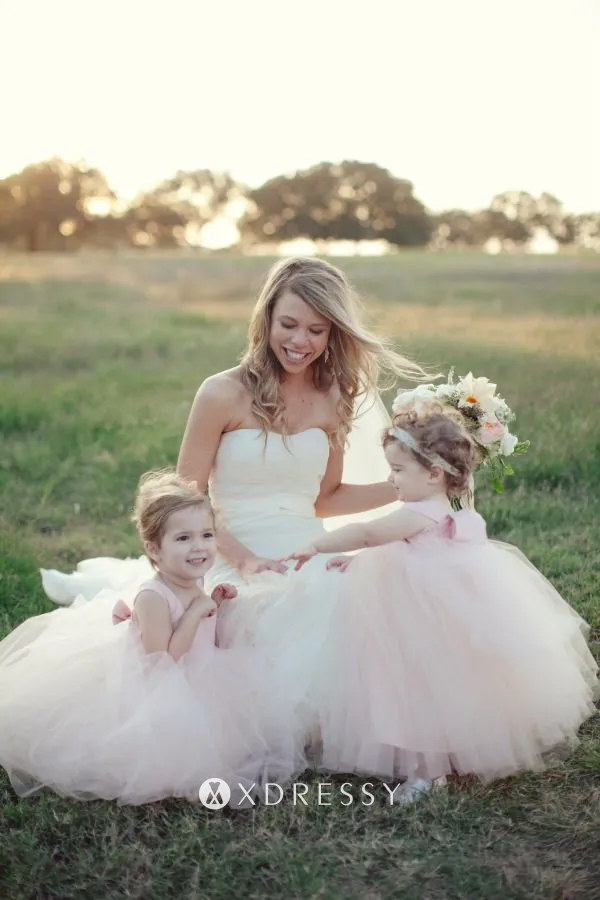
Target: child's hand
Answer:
[[301, 557], [224, 592], [339, 562], [206, 606], [254, 565]]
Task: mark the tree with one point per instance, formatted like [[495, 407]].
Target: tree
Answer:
[[8, 208], [494, 223], [552, 216], [184, 203], [46, 206], [152, 221], [455, 227], [586, 230], [533, 213], [352, 201]]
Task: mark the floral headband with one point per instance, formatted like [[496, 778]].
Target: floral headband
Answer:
[[486, 417], [403, 437]]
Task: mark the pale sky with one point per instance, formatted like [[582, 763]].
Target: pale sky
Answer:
[[465, 98]]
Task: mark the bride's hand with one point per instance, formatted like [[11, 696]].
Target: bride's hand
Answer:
[[339, 562], [301, 557], [254, 565]]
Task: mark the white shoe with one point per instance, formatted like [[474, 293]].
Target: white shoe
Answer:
[[414, 789]]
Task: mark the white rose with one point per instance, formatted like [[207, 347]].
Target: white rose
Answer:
[[508, 444], [414, 399]]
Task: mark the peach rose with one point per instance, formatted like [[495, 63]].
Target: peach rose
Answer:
[[491, 432]]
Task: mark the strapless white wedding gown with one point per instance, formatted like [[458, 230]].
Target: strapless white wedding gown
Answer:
[[264, 487]]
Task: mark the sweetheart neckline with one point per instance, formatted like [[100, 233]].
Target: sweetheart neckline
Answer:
[[278, 433]]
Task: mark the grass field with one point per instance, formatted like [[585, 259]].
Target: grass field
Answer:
[[100, 357]]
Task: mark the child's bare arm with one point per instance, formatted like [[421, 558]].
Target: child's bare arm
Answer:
[[184, 634], [154, 620], [156, 627], [396, 526]]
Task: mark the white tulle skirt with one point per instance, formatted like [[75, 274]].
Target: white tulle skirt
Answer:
[[426, 657], [85, 712]]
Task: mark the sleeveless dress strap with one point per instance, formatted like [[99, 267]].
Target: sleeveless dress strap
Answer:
[[123, 613], [173, 601], [465, 525], [431, 509]]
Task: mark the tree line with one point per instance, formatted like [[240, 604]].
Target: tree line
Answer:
[[57, 205]]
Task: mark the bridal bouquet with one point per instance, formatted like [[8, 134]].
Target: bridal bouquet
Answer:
[[486, 416]]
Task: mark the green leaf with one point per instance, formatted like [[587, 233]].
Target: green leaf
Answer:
[[498, 486], [522, 447], [508, 469]]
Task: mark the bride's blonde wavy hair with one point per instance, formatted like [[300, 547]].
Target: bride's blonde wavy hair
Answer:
[[356, 358]]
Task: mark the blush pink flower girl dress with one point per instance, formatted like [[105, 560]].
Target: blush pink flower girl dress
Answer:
[[444, 653], [86, 712]]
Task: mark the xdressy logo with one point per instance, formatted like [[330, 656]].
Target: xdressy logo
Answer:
[[214, 793]]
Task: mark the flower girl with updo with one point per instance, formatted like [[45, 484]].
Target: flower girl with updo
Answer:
[[131, 700], [444, 651]]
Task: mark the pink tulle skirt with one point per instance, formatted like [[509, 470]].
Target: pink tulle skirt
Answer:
[[432, 657]]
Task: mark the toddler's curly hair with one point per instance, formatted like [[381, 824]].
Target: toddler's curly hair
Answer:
[[438, 433]]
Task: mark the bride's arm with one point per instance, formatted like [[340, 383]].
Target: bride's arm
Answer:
[[209, 417], [339, 499]]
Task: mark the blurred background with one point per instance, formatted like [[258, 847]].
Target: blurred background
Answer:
[[306, 127]]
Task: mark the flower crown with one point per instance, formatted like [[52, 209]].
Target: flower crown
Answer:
[[486, 417]]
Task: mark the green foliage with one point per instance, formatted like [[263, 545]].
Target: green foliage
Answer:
[[352, 201], [55, 205], [45, 206]]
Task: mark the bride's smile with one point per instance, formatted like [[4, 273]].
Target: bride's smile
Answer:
[[299, 334]]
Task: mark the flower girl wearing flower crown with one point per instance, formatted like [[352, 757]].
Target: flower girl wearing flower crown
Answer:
[[443, 651]]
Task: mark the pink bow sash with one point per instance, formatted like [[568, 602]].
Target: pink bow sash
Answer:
[[464, 525], [120, 613]]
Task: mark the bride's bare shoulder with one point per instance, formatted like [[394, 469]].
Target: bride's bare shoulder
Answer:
[[224, 386], [222, 398]]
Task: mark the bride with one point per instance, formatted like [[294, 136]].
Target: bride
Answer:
[[283, 441], [268, 437]]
